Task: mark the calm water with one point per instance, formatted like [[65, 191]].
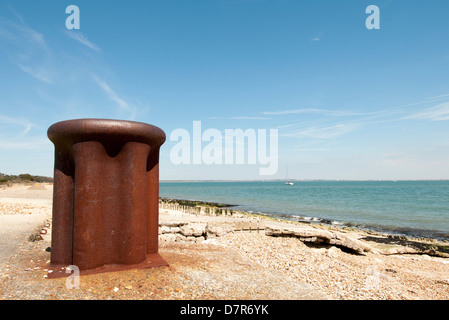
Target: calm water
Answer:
[[418, 208]]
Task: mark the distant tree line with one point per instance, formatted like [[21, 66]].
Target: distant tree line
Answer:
[[24, 177]]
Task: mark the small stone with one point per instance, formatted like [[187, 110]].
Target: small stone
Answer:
[[193, 229], [167, 237], [333, 252], [164, 229], [180, 237], [174, 229]]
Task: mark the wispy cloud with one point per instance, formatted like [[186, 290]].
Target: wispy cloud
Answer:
[[327, 124], [39, 72], [443, 96], [249, 118], [283, 126], [29, 144], [26, 48], [130, 109], [240, 118], [293, 111], [15, 135], [329, 132], [32, 35], [23, 123], [317, 37], [20, 31], [436, 113], [335, 113], [81, 38]]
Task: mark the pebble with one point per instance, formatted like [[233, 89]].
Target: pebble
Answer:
[[343, 275], [15, 208], [332, 271]]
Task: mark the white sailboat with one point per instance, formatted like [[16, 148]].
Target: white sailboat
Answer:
[[287, 182]]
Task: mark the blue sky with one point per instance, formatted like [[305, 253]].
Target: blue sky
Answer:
[[348, 102]]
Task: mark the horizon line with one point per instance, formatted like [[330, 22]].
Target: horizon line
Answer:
[[296, 180]]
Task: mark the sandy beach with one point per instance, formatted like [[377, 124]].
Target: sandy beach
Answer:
[[225, 257]]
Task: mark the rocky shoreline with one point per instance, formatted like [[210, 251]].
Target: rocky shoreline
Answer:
[[311, 232], [231, 255]]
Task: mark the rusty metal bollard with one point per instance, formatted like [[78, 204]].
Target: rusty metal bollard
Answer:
[[106, 195]]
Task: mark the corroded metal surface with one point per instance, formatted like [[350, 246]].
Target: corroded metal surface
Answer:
[[106, 190]]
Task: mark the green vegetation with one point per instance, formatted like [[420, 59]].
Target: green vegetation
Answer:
[[24, 177], [193, 203]]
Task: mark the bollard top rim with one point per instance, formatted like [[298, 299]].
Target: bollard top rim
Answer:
[[77, 130]]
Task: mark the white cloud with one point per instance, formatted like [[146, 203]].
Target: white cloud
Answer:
[[7, 35], [34, 144], [21, 122], [294, 111], [33, 35], [26, 48], [14, 135], [248, 118], [443, 96], [21, 32], [121, 103], [240, 118], [437, 113], [330, 132], [334, 113], [40, 73], [317, 37], [314, 149], [78, 36], [285, 126]]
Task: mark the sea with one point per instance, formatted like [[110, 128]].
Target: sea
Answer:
[[410, 208]]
